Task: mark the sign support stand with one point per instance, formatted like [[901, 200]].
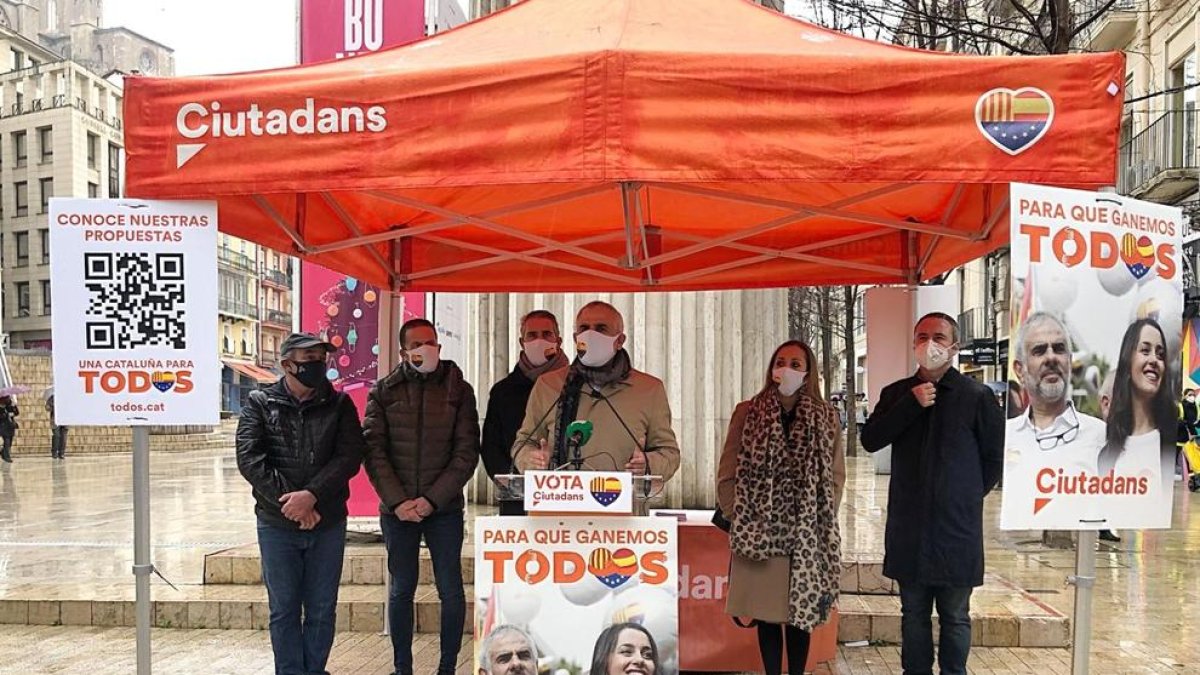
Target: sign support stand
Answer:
[[1084, 581], [141, 543]]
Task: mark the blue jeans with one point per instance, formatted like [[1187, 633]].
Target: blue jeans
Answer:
[[302, 570], [443, 534], [916, 628]]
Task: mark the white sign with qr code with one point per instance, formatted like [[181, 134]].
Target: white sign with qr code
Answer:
[[134, 327]]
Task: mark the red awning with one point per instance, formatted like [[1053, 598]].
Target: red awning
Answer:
[[629, 145], [252, 371]]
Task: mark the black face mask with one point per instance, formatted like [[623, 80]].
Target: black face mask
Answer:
[[311, 374]]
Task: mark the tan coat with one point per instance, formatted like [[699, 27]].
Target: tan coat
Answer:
[[640, 399], [759, 589]]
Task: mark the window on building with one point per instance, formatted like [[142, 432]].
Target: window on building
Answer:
[[18, 59], [22, 189], [45, 235], [47, 185], [114, 171], [93, 190], [46, 143], [22, 249], [22, 298], [20, 147], [1, 254], [45, 297], [245, 341], [93, 148]]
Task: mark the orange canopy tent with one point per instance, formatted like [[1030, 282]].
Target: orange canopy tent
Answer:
[[568, 145]]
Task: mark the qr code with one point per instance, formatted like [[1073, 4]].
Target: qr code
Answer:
[[135, 300]]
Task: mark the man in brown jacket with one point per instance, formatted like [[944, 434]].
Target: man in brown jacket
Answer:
[[422, 434], [629, 411]]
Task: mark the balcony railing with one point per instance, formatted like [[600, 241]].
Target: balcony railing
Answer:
[[1160, 162], [278, 317], [236, 259], [268, 359], [278, 277], [1113, 29], [237, 307], [972, 326]]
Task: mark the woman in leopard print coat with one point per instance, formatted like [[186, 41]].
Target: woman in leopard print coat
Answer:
[[780, 482]]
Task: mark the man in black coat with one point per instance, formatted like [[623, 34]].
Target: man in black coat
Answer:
[[541, 352], [947, 438], [299, 443]]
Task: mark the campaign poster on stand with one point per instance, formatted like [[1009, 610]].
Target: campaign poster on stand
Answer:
[[135, 312], [1094, 361], [577, 588]]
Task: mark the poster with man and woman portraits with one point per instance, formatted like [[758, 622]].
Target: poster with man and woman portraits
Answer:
[[1094, 361], [576, 595]]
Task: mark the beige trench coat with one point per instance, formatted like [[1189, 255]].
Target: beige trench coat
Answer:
[[759, 589], [641, 401]]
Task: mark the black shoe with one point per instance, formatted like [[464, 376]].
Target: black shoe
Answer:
[[1107, 535], [6, 458]]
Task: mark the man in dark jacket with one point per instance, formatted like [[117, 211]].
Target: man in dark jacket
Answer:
[[947, 438], [422, 433], [541, 352], [298, 444]]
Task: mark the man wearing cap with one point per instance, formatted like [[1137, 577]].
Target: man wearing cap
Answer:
[[422, 432], [299, 443]]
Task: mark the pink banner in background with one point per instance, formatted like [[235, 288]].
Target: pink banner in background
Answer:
[[331, 304]]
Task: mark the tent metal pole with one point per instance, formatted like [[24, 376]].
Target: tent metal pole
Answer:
[[141, 544], [1084, 581]]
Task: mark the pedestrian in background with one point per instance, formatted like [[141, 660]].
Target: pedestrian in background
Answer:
[[8, 425], [58, 433]]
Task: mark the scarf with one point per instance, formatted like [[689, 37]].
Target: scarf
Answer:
[[612, 372], [783, 504], [534, 372]]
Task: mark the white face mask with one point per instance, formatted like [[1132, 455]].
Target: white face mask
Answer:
[[539, 352], [932, 356], [595, 349], [788, 379], [424, 359]]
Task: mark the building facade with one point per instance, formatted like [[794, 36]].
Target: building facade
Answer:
[[60, 135], [73, 30]]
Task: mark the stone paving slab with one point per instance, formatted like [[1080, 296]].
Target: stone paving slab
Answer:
[[1004, 616], [110, 651]]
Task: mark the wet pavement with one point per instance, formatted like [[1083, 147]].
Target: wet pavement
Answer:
[[66, 528]]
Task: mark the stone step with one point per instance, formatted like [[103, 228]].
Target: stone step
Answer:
[[360, 608], [365, 564], [1003, 615]]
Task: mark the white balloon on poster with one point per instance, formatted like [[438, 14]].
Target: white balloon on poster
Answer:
[[1117, 280], [587, 591], [519, 602], [1056, 290]]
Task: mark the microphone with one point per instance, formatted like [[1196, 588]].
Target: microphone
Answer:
[[578, 434], [596, 393], [529, 437]]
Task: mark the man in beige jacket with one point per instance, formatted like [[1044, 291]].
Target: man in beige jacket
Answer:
[[628, 409]]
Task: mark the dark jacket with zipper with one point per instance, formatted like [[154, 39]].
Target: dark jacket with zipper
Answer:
[[422, 434], [505, 412], [945, 459], [284, 445]]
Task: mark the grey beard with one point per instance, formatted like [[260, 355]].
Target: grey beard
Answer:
[[1052, 392]]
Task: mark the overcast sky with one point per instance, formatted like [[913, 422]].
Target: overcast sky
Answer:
[[224, 36]]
